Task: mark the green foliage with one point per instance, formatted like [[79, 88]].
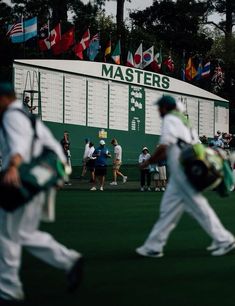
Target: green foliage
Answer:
[[176, 23]]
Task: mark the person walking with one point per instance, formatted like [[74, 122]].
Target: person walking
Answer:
[[65, 143], [84, 159], [180, 195], [91, 162], [144, 171], [20, 229], [117, 162], [101, 154]]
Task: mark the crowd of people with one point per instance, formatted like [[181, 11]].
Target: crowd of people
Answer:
[[95, 161], [221, 140]]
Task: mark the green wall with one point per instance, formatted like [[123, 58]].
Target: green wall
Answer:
[[131, 143]]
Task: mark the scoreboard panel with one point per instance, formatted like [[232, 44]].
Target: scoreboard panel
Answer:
[[108, 104]]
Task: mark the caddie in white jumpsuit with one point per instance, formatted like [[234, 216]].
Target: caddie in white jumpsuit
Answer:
[[20, 228], [180, 196]]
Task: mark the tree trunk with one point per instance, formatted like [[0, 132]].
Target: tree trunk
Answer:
[[120, 16], [59, 10], [120, 24], [228, 42]]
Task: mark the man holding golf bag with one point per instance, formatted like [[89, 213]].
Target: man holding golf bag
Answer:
[[192, 169], [32, 162]]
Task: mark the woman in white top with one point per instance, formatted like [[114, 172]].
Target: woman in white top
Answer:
[[144, 173]]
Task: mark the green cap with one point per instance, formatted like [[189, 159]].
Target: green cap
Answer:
[[6, 89], [166, 101]]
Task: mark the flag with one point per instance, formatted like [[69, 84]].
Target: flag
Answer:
[[116, 56], [53, 38], [138, 57], [156, 65], [15, 29], [148, 57], [218, 77], [44, 31], [94, 47], [67, 40], [82, 45], [190, 71], [23, 31], [130, 60], [199, 71], [206, 70], [169, 63], [183, 67], [108, 50]]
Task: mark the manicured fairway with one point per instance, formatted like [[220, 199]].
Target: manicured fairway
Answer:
[[107, 227]]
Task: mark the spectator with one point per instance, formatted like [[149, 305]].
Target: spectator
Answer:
[[160, 177], [65, 143], [91, 162], [204, 140], [219, 134], [117, 161], [102, 154], [27, 105], [144, 173], [227, 138], [85, 155], [216, 142]]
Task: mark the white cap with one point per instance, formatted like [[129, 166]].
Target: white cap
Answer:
[[102, 142], [145, 148]]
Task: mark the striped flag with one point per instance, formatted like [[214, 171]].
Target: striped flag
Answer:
[[206, 70], [15, 29], [23, 31]]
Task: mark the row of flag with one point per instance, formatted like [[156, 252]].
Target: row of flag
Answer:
[[52, 39]]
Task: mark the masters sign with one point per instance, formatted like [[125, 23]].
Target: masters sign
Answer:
[[130, 75]]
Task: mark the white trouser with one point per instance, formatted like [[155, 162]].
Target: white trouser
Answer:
[[180, 197], [20, 229]]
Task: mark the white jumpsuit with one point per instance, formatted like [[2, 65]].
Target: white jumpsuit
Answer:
[[180, 196], [20, 229]]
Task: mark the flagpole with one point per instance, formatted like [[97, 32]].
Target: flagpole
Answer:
[[22, 21], [184, 66]]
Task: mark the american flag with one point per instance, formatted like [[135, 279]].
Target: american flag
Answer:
[[15, 29]]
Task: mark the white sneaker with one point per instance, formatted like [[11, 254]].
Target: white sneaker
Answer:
[[142, 189], [93, 189], [163, 189], [212, 247], [149, 189], [148, 253], [224, 250], [157, 189], [101, 188], [113, 184], [124, 179]]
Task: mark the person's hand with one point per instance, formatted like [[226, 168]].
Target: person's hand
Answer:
[[144, 165], [12, 177]]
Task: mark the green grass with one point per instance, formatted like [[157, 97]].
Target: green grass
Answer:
[[107, 227]]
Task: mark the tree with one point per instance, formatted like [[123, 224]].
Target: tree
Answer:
[[176, 23]]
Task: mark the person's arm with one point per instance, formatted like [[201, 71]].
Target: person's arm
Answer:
[[159, 154], [11, 176]]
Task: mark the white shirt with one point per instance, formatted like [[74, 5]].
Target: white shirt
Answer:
[[118, 152], [90, 153], [20, 136], [85, 155], [143, 157], [172, 130]]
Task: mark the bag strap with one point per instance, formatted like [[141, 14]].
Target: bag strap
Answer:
[[184, 119], [32, 118]]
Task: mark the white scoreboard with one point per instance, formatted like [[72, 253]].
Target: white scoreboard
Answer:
[[85, 99]]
